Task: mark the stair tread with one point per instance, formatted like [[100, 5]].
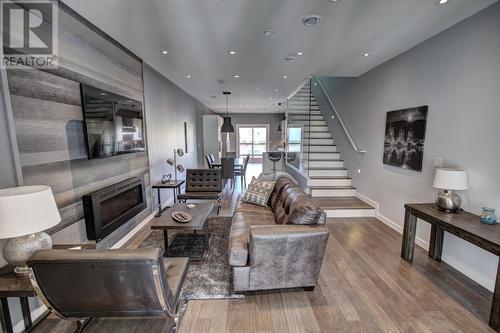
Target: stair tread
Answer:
[[325, 152], [329, 177], [321, 144], [325, 168], [330, 187], [341, 203]]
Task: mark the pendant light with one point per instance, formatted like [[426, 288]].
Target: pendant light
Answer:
[[227, 127]]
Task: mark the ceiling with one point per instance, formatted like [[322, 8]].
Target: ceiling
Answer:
[[198, 35]]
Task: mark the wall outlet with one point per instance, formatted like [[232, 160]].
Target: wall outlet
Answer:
[[438, 162]]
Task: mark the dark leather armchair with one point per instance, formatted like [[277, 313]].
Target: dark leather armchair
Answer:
[[82, 285], [202, 184]]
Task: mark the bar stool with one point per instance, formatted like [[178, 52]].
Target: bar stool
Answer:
[[274, 157]]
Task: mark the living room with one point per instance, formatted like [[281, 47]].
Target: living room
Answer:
[[232, 166]]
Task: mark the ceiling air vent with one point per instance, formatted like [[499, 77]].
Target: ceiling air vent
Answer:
[[311, 20]]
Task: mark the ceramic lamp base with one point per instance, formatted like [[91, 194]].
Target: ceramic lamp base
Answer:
[[17, 251]]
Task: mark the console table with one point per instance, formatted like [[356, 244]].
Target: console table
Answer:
[[175, 185], [461, 224]]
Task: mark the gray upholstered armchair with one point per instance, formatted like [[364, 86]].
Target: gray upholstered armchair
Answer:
[[82, 285]]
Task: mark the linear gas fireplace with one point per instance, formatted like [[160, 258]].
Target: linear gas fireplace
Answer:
[[108, 209]]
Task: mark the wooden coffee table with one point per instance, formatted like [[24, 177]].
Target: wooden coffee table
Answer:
[[200, 214]]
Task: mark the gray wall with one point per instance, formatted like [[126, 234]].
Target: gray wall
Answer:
[[7, 173], [271, 119], [48, 123], [456, 73], [167, 108]]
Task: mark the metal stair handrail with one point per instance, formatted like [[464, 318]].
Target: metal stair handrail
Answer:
[[296, 90]]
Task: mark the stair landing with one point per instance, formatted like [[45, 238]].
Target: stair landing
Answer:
[[344, 206]]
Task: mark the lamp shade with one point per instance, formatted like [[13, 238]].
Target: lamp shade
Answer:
[[450, 179], [26, 210], [227, 127]]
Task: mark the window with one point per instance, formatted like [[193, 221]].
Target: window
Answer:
[[294, 139], [252, 140]]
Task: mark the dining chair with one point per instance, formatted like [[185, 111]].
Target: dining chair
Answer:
[[242, 171], [228, 170], [212, 162], [209, 161]]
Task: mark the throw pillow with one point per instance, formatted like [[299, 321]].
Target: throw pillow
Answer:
[[258, 192]]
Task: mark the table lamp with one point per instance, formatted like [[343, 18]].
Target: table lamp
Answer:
[[25, 212], [449, 180]]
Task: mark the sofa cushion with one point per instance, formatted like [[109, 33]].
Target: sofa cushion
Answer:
[[297, 207], [240, 234], [243, 206], [304, 211], [281, 184], [258, 192]]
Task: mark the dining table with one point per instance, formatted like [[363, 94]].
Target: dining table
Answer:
[[238, 163]]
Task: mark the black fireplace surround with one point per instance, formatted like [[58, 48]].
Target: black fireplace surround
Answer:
[[111, 207]]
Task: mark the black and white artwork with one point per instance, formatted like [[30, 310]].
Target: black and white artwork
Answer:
[[405, 138]]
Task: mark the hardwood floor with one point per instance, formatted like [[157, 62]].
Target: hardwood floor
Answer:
[[364, 286]]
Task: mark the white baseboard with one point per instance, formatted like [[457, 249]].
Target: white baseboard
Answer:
[[349, 212], [141, 225], [35, 314], [390, 223], [454, 262], [482, 279]]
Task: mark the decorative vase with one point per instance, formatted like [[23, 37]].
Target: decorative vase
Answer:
[[488, 216]]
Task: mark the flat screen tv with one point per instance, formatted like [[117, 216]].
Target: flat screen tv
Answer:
[[114, 124]]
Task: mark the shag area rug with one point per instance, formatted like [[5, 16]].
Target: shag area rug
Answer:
[[211, 278]]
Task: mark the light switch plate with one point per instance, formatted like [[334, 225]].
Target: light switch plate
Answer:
[[438, 162]]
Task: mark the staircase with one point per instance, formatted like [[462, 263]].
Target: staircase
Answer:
[[328, 180]]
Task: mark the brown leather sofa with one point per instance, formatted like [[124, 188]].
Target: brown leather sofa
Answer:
[[280, 246]]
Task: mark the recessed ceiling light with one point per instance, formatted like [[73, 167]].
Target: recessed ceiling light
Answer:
[[164, 51], [276, 90], [311, 20], [300, 53], [236, 76], [285, 77], [334, 1], [269, 32], [366, 54], [270, 98], [240, 105], [188, 76], [441, 2], [232, 52]]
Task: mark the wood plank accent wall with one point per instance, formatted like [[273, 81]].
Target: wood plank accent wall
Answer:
[[48, 118]]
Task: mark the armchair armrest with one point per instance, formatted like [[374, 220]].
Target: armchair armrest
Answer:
[[286, 256]]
